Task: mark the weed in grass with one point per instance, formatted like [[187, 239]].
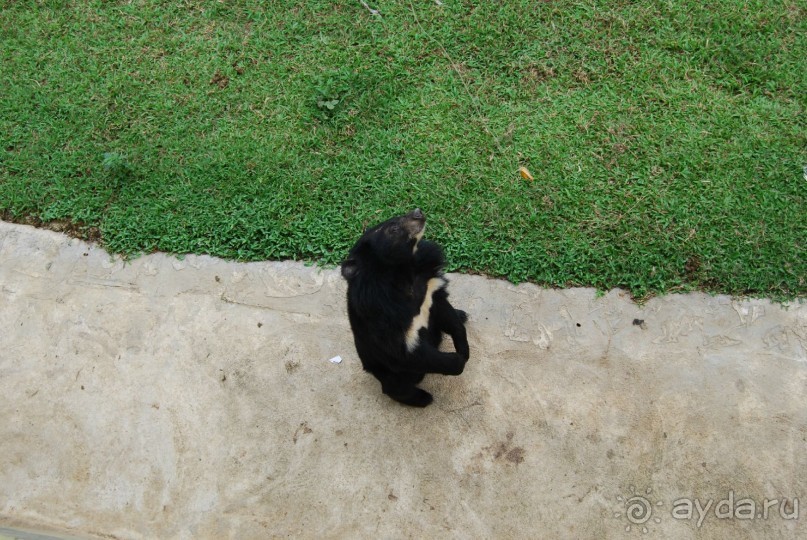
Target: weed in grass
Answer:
[[331, 91], [117, 167]]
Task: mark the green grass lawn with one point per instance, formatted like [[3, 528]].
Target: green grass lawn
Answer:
[[667, 140]]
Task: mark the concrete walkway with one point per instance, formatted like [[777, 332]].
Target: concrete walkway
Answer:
[[195, 398]]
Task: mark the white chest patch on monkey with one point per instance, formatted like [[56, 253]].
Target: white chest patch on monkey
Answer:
[[421, 320]]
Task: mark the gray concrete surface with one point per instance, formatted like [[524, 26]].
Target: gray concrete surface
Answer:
[[28, 534], [194, 398]]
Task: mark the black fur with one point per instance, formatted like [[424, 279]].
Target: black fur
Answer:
[[388, 272]]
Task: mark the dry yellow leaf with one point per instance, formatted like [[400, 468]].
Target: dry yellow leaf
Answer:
[[525, 173]]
